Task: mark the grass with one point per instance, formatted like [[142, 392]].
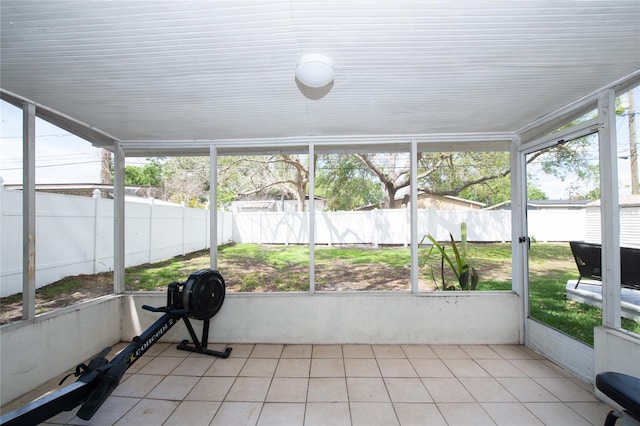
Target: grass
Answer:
[[157, 276], [392, 256], [251, 268]]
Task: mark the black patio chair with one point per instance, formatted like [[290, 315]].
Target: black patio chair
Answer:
[[624, 390], [588, 259]]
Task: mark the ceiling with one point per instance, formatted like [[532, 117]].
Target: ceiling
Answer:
[[179, 72]]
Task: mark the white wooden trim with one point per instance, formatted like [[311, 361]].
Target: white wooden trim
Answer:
[[28, 210], [213, 206], [609, 211], [415, 286], [312, 219], [118, 220]]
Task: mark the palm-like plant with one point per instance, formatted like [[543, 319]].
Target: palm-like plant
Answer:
[[466, 275]]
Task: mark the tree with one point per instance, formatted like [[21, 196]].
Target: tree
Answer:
[[283, 176], [439, 173], [345, 183], [106, 167], [479, 176], [349, 181], [186, 180], [149, 174]]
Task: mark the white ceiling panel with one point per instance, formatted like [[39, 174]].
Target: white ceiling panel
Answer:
[[224, 70]]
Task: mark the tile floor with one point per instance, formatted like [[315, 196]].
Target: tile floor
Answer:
[[345, 385]]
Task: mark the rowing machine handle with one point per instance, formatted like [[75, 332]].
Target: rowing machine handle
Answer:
[[165, 310]]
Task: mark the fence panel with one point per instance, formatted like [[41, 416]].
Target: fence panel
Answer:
[[196, 230], [344, 228], [138, 233], [10, 240], [74, 235], [60, 232]]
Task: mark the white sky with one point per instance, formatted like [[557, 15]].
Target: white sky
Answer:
[[65, 158], [60, 156]]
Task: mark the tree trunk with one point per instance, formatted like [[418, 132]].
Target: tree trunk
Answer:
[[105, 167], [389, 195]]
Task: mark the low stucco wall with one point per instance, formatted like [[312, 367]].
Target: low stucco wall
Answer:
[[560, 348], [615, 350], [434, 318], [33, 352], [37, 351]]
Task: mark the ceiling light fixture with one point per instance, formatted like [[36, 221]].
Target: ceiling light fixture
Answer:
[[315, 71]]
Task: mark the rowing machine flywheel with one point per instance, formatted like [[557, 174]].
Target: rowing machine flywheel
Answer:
[[203, 294]]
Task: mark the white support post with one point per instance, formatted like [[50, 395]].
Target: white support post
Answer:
[[415, 283], [118, 219], [97, 226], [312, 219], [213, 207], [28, 211], [609, 211], [518, 218], [519, 248]]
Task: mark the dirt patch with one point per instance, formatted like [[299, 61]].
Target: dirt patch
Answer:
[[66, 292]]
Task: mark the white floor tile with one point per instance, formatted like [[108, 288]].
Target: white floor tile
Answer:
[[250, 389], [327, 413], [285, 389], [411, 414], [407, 390], [556, 413], [193, 413], [465, 414], [367, 390], [237, 414], [279, 414], [148, 412], [511, 414], [323, 389], [373, 414]]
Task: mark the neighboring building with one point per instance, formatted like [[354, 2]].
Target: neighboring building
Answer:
[[432, 202], [544, 205], [629, 221], [442, 202], [280, 205], [87, 189]]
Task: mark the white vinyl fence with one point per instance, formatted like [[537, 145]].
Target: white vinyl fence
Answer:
[[377, 227], [74, 235]]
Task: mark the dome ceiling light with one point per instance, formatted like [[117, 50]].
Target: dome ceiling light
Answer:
[[315, 71]]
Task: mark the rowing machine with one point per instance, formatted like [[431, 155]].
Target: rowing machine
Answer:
[[200, 297]]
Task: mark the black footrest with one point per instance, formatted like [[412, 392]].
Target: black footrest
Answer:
[[623, 389]]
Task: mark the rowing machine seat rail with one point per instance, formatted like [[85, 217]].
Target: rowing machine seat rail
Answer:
[[200, 297]]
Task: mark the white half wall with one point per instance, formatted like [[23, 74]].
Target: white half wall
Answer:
[[616, 350], [322, 318], [560, 348], [34, 352]]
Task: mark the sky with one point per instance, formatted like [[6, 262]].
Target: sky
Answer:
[[60, 156], [64, 158]]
